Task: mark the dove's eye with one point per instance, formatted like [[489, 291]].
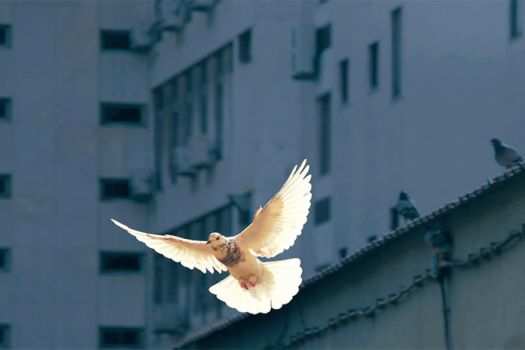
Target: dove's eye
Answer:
[[216, 238]]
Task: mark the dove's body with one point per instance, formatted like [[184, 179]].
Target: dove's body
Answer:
[[253, 286], [242, 265]]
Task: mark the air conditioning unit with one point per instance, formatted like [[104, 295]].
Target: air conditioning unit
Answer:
[[203, 5], [200, 155], [141, 183], [302, 42], [173, 14], [326, 71], [141, 38], [182, 161]]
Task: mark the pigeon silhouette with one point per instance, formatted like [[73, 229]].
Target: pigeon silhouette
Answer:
[[405, 207], [505, 155]]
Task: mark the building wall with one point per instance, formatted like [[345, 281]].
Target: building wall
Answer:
[[55, 225], [459, 83], [485, 310]]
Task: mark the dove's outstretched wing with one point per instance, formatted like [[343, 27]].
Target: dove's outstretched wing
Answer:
[[276, 226], [190, 253]]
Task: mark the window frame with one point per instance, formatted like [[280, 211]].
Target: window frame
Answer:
[[106, 122], [324, 118], [104, 270], [324, 206], [373, 66], [108, 180], [5, 339], [7, 179], [245, 48], [8, 35], [516, 14], [141, 335], [103, 44], [344, 81], [396, 22], [7, 106]]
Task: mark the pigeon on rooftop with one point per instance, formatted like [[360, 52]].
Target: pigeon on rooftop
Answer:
[[405, 207], [505, 155], [253, 286]]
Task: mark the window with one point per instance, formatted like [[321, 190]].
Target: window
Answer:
[[188, 109], [396, 22], [373, 65], [119, 337], [219, 120], [203, 97], [114, 189], [5, 332], [5, 35], [515, 18], [5, 260], [343, 80], [322, 211], [121, 113], [323, 41], [115, 40], [245, 47], [325, 134], [5, 186], [120, 262], [5, 108]]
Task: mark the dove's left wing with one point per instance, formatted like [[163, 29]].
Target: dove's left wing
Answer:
[[190, 253], [276, 226]]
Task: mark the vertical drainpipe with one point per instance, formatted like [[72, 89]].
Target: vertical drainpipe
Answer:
[[441, 243]]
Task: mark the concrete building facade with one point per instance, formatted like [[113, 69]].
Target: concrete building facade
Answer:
[[71, 281], [183, 116]]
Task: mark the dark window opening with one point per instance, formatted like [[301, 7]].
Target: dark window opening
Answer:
[[114, 189], [515, 20], [5, 186], [120, 113], [115, 337], [5, 108], [5, 258], [325, 134], [322, 211], [323, 41], [5, 35], [343, 80], [396, 52], [120, 262], [245, 47], [373, 65], [5, 331], [115, 40], [219, 120]]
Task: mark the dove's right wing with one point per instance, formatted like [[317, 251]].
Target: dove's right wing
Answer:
[[277, 225], [191, 254]]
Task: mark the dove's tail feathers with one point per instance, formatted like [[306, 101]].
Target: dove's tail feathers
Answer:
[[277, 286]]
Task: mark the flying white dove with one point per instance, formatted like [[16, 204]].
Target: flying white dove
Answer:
[[253, 286], [505, 155]]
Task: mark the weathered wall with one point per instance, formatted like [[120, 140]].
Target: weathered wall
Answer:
[[486, 307]]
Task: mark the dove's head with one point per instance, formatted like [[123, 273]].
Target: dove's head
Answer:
[[216, 241], [495, 142]]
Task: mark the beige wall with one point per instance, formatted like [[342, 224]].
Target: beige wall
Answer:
[[485, 300]]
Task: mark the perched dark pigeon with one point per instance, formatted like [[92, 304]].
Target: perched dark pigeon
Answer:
[[405, 207], [505, 155]]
